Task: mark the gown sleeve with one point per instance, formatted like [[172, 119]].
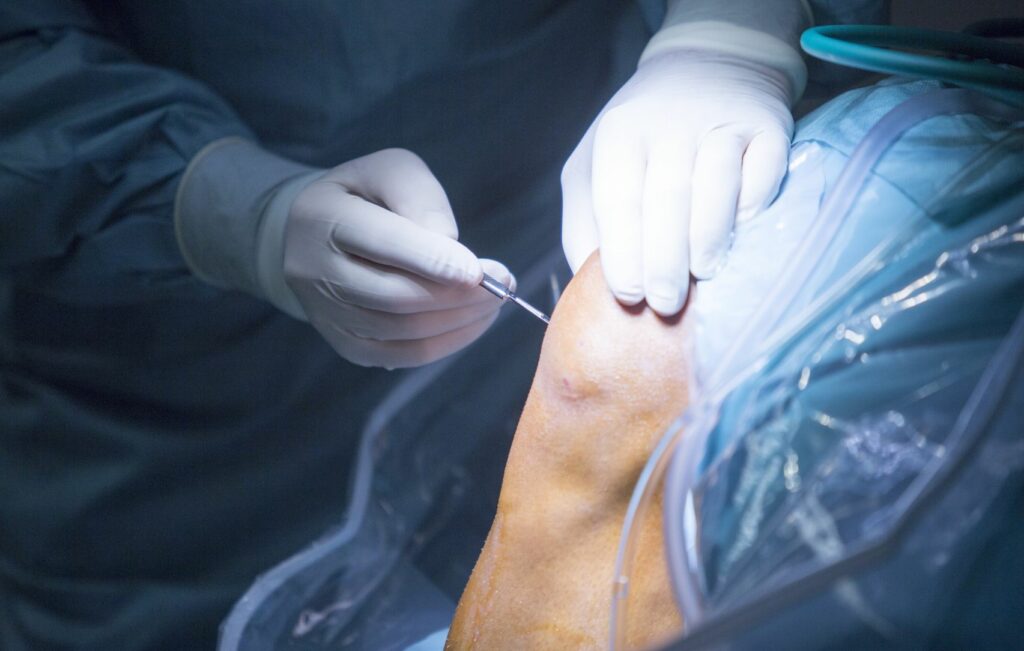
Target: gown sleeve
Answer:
[[93, 142]]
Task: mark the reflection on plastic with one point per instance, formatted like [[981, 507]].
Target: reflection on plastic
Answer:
[[833, 430]]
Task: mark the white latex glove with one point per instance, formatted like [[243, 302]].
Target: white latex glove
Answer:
[[367, 252], [371, 253], [692, 140]]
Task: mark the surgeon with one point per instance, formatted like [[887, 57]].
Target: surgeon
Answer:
[[222, 221]]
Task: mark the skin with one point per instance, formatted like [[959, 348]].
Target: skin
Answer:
[[609, 381]]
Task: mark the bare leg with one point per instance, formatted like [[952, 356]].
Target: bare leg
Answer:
[[609, 381]]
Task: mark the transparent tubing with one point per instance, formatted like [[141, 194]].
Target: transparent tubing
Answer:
[[645, 490], [682, 471]]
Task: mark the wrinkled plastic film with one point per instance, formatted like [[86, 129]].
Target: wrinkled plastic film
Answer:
[[884, 227], [819, 225], [886, 433], [794, 229], [891, 427], [901, 585], [814, 250]]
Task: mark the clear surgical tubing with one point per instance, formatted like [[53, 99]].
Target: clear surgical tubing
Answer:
[[683, 468]]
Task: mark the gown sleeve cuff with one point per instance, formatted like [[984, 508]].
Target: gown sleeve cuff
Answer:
[[736, 41], [231, 194]]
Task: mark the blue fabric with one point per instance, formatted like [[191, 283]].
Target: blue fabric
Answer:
[[433, 642], [161, 442]]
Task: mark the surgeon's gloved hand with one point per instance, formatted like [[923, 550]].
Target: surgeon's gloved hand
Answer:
[[366, 251], [693, 141], [371, 253]]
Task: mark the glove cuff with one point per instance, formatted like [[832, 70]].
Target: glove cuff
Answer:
[[735, 41], [270, 245], [223, 201]]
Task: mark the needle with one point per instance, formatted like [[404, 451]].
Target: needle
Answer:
[[505, 294]]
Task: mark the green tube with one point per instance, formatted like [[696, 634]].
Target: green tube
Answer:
[[991, 67]]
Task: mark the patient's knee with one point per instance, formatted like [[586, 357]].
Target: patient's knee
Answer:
[[596, 347]]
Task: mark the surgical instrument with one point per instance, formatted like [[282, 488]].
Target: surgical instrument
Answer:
[[506, 294]]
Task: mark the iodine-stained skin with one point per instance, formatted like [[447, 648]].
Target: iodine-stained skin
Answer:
[[609, 381]]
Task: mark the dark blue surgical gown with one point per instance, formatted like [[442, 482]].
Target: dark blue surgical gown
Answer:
[[163, 441]]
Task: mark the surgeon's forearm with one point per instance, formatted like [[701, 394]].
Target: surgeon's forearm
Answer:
[[777, 17], [763, 31], [609, 382]]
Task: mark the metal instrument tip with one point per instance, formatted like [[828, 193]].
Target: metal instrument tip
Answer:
[[505, 294]]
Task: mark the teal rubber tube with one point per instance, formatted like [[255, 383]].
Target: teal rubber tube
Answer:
[[982, 64]]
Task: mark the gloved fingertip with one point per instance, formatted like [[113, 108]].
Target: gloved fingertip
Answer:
[[746, 212], [666, 298], [754, 203], [460, 266], [705, 264], [764, 168], [630, 295], [441, 222], [464, 274], [499, 272], [475, 273], [623, 275]]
